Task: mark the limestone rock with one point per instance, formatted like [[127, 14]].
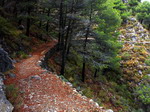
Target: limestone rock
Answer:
[[5, 105], [36, 77], [11, 75], [109, 110], [5, 61]]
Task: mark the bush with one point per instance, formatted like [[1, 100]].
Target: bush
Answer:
[[7, 29], [14, 97], [103, 96], [12, 91], [22, 55], [126, 56], [147, 62], [88, 92], [143, 92]]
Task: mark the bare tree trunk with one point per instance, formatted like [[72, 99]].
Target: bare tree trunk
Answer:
[[61, 38], [28, 21], [85, 43], [95, 74], [3, 3], [47, 24], [60, 24]]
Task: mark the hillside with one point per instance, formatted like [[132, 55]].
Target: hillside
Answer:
[[74, 56]]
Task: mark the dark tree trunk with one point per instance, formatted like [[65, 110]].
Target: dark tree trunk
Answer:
[[47, 24], [60, 24], [28, 27], [141, 21], [40, 23], [95, 74], [61, 38], [83, 71], [85, 43], [15, 9], [71, 30], [149, 27], [28, 22], [83, 67], [3, 3], [64, 49], [66, 39], [20, 22], [69, 40]]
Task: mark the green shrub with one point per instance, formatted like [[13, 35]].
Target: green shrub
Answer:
[[22, 55], [147, 62], [7, 29], [14, 96], [143, 92], [126, 56], [103, 96], [88, 92], [12, 91]]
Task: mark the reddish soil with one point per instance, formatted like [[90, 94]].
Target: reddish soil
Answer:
[[46, 92]]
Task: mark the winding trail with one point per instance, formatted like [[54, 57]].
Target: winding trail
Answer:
[[44, 91]]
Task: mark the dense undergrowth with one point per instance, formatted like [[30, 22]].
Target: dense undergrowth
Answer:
[[15, 42], [104, 89]]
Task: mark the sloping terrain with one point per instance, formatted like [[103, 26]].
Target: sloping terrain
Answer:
[[135, 52], [43, 91]]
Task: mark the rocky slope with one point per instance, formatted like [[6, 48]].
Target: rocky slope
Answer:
[[135, 51], [5, 64]]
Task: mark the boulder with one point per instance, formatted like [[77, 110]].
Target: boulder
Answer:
[[109, 110], [5, 105], [36, 77], [11, 75], [132, 19], [21, 27], [5, 61]]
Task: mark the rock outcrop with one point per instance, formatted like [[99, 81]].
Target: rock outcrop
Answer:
[[135, 52], [5, 64], [5, 105], [5, 61]]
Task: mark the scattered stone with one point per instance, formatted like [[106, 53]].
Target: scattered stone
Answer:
[[21, 27], [5, 105], [140, 72], [148, 75], [30, 55], [132, 19], [36, 77], [14, 61], [78, 88], [11, 75], [134, 38], [91, 100], [2, 76], [25, 106], [69, 84], [39, 63], [109, 110], [97, 105]]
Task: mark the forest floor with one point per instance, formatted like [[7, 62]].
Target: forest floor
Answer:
[[42, 91]]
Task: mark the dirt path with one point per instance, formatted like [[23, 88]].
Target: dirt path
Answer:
[[43, 91]]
